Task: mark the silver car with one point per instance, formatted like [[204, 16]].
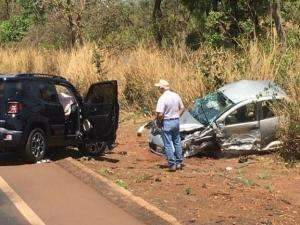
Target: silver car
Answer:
[[237, 117]]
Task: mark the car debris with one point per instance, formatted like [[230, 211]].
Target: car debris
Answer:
[[237, 117], [228, 168]]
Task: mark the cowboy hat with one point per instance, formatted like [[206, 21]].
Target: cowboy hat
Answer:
[[162, 84]]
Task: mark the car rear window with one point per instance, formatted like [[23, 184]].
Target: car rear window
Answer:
[[10, 89]]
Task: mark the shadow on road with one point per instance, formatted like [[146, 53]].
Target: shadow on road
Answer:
[[10, 159], [13, 159]]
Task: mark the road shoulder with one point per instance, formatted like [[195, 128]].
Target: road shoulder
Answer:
[[134, 205]]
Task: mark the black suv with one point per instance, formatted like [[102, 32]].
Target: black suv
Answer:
[[39, 111]]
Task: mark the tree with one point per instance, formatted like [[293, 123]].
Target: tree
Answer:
[[275, 8], [17, 22], [157, 16], [222, 21], [71, 11], [7, 9]]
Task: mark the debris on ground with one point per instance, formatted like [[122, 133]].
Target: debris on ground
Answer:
[[228, 168], [243, 159]]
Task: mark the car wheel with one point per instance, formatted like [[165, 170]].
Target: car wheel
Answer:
[[93, 149], [36, 146]]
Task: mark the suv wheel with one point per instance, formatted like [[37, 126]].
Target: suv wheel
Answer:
[[36, 146], [93, 149]]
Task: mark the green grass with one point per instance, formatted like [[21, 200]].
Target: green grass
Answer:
[[122, 184], [264, 175], [269, 187], [143, 178], [188, 191], [103, 172], [246, 181]]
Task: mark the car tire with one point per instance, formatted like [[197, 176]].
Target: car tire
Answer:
[[93, 149], [36, 146]]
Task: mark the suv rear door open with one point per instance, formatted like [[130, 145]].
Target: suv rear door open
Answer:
[[101, 103]]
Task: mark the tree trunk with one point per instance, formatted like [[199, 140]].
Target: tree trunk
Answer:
[[71, 30], [275, 8], [214, 5], [78, 22], [157, 16], [79, 32], [234, 28], [253, 5], [71, 24], [7, 9]]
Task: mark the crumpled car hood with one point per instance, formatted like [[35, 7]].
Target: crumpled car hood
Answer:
[[188, 123]]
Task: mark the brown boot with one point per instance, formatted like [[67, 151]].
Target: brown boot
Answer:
[[172, 168]]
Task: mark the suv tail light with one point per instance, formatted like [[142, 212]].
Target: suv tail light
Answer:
[[14, 107]]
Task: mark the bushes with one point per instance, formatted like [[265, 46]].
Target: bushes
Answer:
[[290, 132], [14, 29]]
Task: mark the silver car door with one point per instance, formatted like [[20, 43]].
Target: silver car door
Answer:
[[268, 123], [240, 129]]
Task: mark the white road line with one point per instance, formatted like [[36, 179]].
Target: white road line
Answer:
[[23, 208]]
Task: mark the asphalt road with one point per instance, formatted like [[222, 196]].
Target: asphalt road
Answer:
[[47, 194]]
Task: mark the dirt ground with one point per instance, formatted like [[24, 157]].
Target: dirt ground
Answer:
[[263, 190]]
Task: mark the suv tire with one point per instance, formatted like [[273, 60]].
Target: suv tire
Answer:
[[36, 146]]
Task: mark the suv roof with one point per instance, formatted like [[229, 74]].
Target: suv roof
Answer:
[[31, 76]]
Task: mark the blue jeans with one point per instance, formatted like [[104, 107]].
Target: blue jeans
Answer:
[[172, 142]]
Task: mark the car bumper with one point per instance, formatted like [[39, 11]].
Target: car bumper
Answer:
[[10, 138]]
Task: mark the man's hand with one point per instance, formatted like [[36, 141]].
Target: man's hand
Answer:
[[159, 116], [159, 119]]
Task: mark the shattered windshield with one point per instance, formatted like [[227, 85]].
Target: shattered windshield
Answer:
[[207, 109]]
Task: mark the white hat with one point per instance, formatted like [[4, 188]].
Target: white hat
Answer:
[[163, 84]]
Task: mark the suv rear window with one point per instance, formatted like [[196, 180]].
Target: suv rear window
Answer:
[[48, 93], [10, 89]]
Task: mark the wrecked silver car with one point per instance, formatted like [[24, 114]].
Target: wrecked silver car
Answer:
[[237, 117]]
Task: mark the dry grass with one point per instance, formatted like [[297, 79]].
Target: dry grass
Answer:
[[190, 74]]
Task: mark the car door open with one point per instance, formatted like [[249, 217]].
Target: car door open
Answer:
[[102, 108]]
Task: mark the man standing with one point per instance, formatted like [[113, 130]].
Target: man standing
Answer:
[[169, 109]]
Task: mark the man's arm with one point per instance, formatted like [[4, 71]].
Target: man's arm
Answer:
[[160, 108], [181, 107], [159, 116], [181, 111]]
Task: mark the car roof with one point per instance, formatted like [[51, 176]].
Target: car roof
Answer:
[[24, 76], [252, 90]]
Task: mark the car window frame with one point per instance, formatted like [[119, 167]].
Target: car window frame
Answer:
[[261, 108], [237, 108], [55, 92], [68, 88]]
